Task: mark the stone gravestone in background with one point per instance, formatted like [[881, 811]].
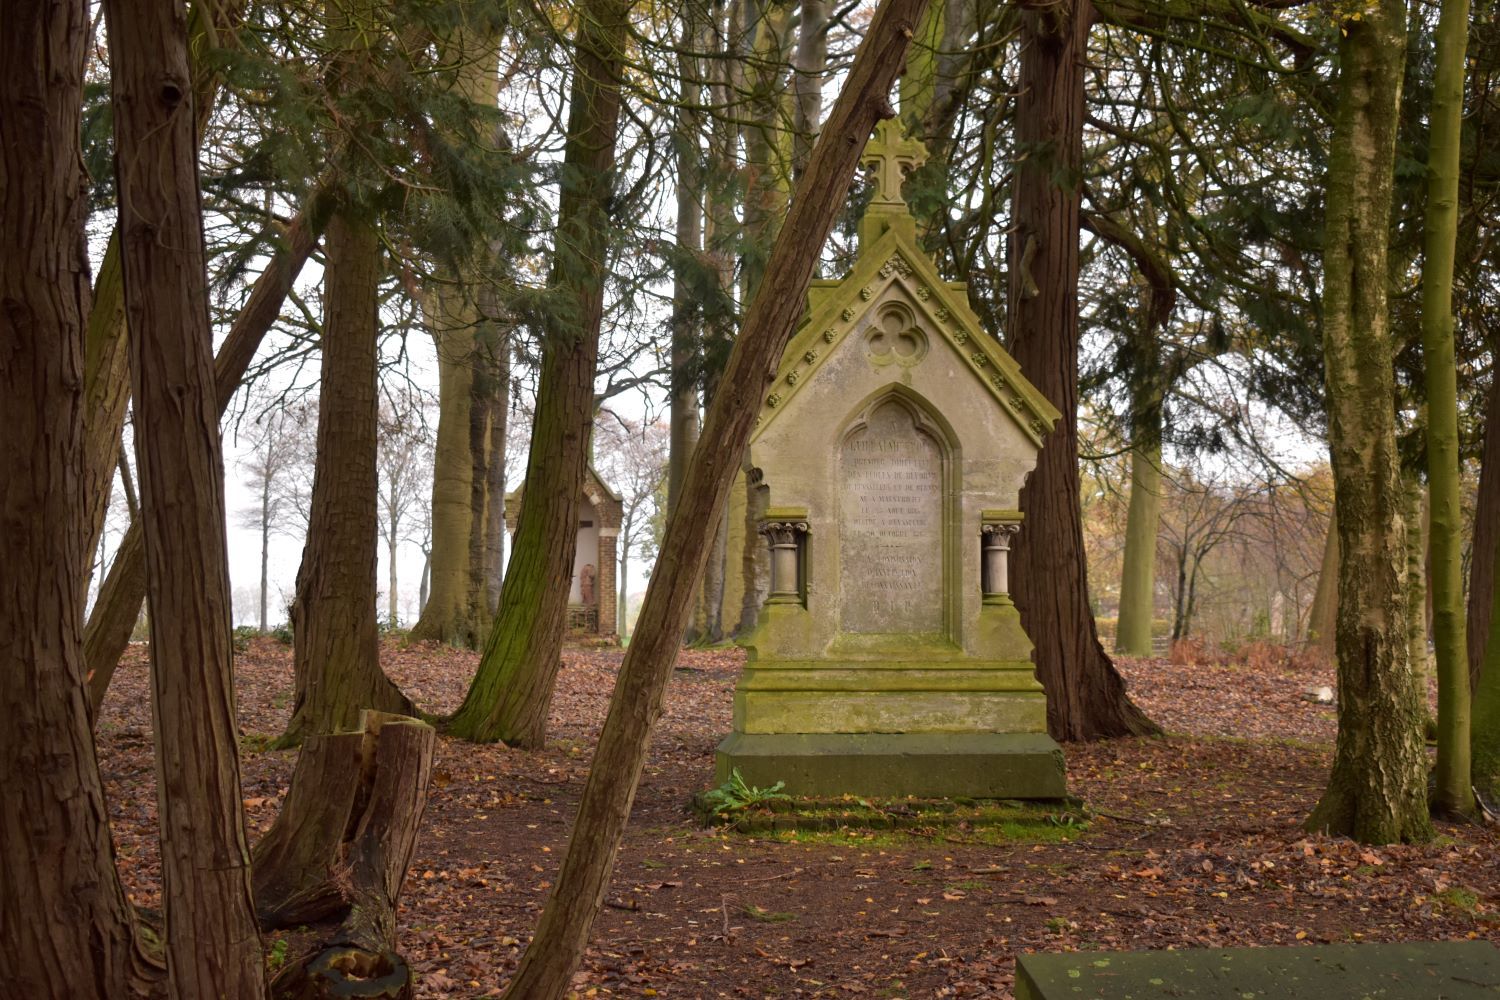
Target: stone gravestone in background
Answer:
[[888, 659]]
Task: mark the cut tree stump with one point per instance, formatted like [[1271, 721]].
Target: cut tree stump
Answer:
[[338, 853]]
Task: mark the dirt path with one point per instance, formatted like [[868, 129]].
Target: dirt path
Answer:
[[1198, 845]]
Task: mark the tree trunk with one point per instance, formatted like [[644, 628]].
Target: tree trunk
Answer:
[[1322, 617], [456, 612], [445, 617], [106, 373], [1486, 543], [1142, 520], [1085, 695], [1377, 791], [512, 690], [494, 528], [1454, 793], [119, 602], [265, 549], [563, 931], [336, 653], [687, 305], [212, 944], [69, 931], [339, 850]]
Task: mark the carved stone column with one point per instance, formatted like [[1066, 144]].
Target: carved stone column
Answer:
[[995, 569], [786, 539]]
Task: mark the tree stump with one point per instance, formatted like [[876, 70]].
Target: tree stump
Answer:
[[339, 851]]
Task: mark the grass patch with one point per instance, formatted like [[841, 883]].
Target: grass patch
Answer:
[[768, 916], [902, 821]]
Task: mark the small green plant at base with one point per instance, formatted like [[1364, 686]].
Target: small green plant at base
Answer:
[[735, 795], [1458, 899], [276, 957]]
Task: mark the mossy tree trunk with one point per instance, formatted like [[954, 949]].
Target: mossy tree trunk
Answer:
[[512, 690], [69, 931], [336, 654], [447, 617], [547, 967], [1377, 791], [212, 941], [1446, 575], [1085, 695]]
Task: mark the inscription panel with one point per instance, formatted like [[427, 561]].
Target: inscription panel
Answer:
[[891, 537]]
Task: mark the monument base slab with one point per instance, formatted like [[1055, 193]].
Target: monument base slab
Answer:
[[892, 765]]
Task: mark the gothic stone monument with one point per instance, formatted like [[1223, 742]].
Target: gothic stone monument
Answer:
[[888, 659]]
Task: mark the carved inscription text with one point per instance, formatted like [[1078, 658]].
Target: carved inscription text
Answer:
[[891, 556]]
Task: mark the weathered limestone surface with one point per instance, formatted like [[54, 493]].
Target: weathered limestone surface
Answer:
[[888, 660], [1453, 970]]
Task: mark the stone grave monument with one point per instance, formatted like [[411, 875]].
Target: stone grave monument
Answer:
[[888, 659]]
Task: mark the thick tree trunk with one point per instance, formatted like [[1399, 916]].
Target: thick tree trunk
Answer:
[[548, 964], [1446, 576], [1142, 519], [339, 851], [336, 652], [1085, 695], [687, 304], [119, 603], [1486, 544], [68, 930], [457, 612], [212, 944], [512, 690], [1377, 792], [446, 616]]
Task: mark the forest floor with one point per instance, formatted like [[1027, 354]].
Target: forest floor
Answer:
[[1194, 842]]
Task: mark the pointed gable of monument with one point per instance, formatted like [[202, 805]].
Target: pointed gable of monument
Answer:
[[895, 308]]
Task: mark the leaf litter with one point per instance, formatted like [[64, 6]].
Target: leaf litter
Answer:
[[1195, 842]]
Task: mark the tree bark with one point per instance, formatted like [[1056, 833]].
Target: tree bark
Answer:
[[339, 851], [1454, 792], [1322, 617], [69, 931], [687, 304], [512, 689], [446, 616], [1486, 542], [1377, 791], [119, 603], [1085, 695], [212, 944], [1142, 519], [336, 652], [563, 931]]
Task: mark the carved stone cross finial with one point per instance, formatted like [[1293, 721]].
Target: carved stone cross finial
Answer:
[[891, 155]]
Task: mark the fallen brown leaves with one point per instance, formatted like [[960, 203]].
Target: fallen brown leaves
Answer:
[[1205, 847]]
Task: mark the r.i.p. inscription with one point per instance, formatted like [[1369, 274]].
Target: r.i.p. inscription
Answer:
[[891, 557]]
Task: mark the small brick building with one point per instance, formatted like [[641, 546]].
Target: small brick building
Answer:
[[593, 597]]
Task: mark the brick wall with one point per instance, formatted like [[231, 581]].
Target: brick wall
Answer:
[[609, 598]]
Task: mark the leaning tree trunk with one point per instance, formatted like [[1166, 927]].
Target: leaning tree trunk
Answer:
[[212, 944], [336, 653], [1085, 695], [68, 930], [1454, 792], [563, 931], [119, 603], [512, 691], [106, 374], [1377, 792], [338, 853]]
